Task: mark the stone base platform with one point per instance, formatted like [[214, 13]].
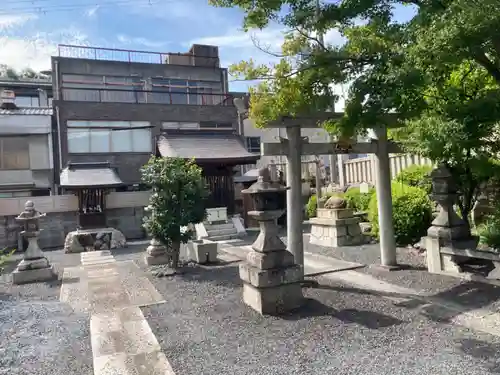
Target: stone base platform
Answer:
[[33, 275], [274, 300], [80, 241], [336, 233]]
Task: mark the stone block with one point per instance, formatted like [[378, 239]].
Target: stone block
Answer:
[[156, 260], [275, 300], [102, 239], [33, 275], [271, 277], [328, 213], [265, 261], [202, 251], [448, 265]]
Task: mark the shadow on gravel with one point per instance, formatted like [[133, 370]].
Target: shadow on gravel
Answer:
[[225, 276], [489, 353], [368, 319]]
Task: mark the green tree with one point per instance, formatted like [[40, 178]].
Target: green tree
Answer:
[[383, 61], [439, 71], [178, 200]]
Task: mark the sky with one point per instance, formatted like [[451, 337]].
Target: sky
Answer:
[[30, 30]]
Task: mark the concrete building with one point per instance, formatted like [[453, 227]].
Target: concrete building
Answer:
[[26, 143], [112, 105]]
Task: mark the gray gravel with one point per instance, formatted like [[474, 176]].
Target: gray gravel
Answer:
[[40, 335], [204, 328]]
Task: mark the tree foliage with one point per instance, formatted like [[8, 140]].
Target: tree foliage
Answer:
[[178, 198], [388, 65]]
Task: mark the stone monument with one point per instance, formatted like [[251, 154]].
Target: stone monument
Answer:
[[35, 266], [335, 225], [271, 279]]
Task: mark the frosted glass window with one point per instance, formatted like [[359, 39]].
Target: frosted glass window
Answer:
[[121, 141], [141, 140], [78, 141], [99, 141]]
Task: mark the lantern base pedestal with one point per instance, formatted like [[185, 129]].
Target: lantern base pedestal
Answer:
[[272, 291], [275, 300], [33, 275]]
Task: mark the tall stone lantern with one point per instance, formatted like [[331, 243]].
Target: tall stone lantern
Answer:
[[271, 279], [447, 226], [35, 266]]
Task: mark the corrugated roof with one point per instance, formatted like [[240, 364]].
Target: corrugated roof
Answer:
[[205, 146], [27, 111], [81, 175]]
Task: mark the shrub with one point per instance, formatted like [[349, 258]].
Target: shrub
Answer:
[[312, 204], [417, 176], [411, 213], [178, 199], [489, 230], [357, 200]]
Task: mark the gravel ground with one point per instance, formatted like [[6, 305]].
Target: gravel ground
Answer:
[[40, 335], [204, 328]]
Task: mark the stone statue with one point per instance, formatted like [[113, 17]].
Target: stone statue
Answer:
[[35, 266]]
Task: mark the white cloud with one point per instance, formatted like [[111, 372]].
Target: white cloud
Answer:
[[124, 39], [91, 12], [35, 52], [8, 22]]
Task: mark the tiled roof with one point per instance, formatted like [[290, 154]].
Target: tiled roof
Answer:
[[81, 175], [27, 111], [205, 146]]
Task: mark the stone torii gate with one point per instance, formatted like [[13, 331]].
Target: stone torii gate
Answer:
[[294, 146]]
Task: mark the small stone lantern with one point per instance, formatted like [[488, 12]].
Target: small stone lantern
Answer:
[[271, 279], [447, 226], [35, 266]]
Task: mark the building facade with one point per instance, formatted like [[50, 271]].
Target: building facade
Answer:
[[26, 158], [113, 105]]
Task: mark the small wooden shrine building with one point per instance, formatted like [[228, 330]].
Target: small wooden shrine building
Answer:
[[91, 182], [216, 152]]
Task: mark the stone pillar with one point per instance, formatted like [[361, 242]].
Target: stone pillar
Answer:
[[318, 180], [341, 169], [334, 170], [35, 266], [294, 213], [271, 280], [384, 200]]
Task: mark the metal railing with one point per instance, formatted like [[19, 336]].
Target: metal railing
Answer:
[[125, 55], [144, 97]]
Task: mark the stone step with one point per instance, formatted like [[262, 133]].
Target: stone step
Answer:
[[222, 232], [210, 227], [224, 237]]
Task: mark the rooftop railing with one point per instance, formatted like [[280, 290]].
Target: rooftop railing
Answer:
[[134, 56], [145, 97]]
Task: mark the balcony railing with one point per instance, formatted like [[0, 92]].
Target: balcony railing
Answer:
[[144, 97], [125, 55]]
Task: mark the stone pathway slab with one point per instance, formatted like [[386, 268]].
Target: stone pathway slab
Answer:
[[122, 340]]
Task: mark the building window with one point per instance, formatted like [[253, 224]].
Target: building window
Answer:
[[14, 153], [253, 144], [27, 101], [215, 125], [108, 137], [179, 125], [181, 91]]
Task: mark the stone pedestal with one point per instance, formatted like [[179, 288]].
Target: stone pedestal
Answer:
[[156, 254], [334, 227], [202, 251], [35, 267], [271, 279]]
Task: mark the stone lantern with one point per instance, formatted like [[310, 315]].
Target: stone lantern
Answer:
[[447, 226], [35, 266], [271, 279]]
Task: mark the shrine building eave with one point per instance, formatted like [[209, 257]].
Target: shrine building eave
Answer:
[[89, 175], [206, 147]]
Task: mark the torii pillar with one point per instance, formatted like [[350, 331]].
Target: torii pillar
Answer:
[[294, 147]]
